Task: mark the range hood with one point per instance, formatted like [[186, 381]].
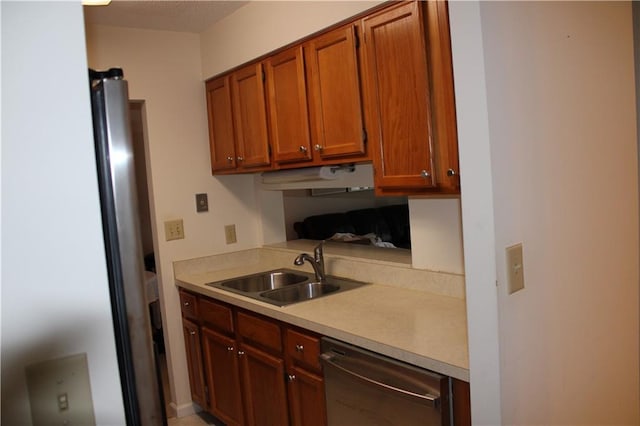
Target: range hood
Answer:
[[338, 176]]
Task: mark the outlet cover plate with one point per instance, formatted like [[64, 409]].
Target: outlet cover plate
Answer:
[[202, 203], [230, 234]]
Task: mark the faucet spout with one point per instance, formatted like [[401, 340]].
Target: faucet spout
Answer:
[[317, 261]]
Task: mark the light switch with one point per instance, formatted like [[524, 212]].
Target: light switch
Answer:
[[515, 268], [230, 234], [174, 230]]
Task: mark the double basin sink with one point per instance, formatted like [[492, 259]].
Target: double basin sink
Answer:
[[285, 286]]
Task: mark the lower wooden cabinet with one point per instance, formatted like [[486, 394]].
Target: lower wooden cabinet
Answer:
[[194, 362], [265, 392], [223, 377], [306, 398], [247, 369]]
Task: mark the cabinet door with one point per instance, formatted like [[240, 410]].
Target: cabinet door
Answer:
[[264, 387], [334, 93], [288, 115], [194, 362], [250, 117], [221, 134], [306, 398], [223, 377], [398, 110], [443, 98]]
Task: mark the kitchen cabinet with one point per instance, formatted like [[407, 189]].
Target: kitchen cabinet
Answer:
[[304, 379], [334, 94], [409, 99], [221, 132], [191, 332], [288, 113], [250, 117]]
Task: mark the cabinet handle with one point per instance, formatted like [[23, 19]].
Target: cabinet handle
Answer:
[[229, 159], [230, 348], [240, 353], [299, 348], [291, 377], [425, 174], [318, 147], [240, 158], [451, 172], [303, 149]]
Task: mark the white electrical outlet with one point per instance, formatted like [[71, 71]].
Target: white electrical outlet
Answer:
[[515, 268], [60, 392], [230, 234], [174, 230]]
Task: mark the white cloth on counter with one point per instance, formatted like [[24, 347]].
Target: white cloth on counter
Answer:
[[370, 238]]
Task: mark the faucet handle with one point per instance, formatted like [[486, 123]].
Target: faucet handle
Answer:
[[318, 251]]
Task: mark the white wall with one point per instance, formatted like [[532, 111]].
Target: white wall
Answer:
[[163, 69], [55, 296], [563, 155]]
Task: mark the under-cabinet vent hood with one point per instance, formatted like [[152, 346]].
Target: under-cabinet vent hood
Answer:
[[339, 176]]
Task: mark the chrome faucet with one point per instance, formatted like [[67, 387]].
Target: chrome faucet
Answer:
[[317, 261]]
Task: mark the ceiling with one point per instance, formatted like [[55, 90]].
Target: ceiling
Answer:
[[192, 16]]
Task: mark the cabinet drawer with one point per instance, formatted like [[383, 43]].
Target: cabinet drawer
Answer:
[[215, 315], [303, 349], [189, 305], [260, 331]]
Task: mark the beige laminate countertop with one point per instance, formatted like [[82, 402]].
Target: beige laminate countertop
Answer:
[[419, 327]]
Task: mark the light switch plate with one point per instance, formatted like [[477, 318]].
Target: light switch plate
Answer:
[[60, 392], [515, 268], [174, 230], [230, 234]]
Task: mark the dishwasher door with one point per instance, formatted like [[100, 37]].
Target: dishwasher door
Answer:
[[365, 388]]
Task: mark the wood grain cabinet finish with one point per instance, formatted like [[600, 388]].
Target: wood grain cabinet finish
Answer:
[[288, 112], [221, 131], [223, 377], [307, 406], [335, 105], [194, 362], [409, 115], [264, 386], [250, 117]]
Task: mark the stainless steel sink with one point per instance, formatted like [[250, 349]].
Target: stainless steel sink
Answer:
[[264, 281], [285, 286], [300, 292]]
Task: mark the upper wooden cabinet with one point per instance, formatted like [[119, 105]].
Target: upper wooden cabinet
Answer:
[[221, 133], [379, 88], [250, 117], [288, 114], [334, 93], [411, 120]]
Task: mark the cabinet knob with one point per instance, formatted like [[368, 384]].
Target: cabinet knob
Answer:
[[193, 333], [425, 174], [318, 147], [303, 149], [240, 353], [186, 304], [240, 158], [299, 348], [229, 159], [291, 377], [230, 348], [451, 172]]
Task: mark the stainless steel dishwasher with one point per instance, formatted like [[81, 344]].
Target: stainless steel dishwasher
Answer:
[[365, 388]]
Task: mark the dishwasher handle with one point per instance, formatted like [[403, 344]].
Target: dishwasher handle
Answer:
[[428, 399]]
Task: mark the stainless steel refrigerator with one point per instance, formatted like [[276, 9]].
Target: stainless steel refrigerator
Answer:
[[137, 356]]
